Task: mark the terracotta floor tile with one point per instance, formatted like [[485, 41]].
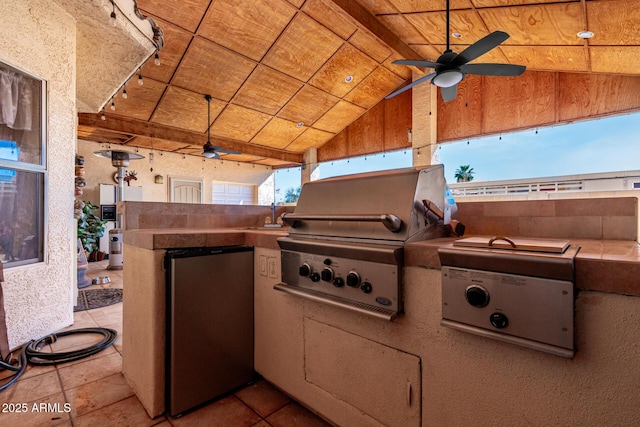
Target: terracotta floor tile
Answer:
[[294, 415], [49, 411], [118, 342], [127, 412], [89, 371], [227, 412], [32, 389], [262, 398], [98, 394]]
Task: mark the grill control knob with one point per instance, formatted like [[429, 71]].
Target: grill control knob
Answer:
[[327, 274], [366, 287], [477, 296], [338, 282], [353, 279], [499, 320], [304, 270], [327, 261], [315, 277]]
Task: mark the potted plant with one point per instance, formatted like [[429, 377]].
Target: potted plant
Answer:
[[90, 229]]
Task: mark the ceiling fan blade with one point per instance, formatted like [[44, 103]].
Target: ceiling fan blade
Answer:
[[416, 63], [493, 69], [449, 93], [409, 86], [481, 47], [225, 151]]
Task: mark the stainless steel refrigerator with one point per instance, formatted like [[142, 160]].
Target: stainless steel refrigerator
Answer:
[[209, 324]]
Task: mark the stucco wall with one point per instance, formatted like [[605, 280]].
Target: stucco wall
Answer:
[[100, 171], [38, 37]]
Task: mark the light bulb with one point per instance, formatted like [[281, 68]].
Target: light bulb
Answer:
[[103, 117], [113, 105], [113, 19], [140, 81], [156, 59], [124, 93]]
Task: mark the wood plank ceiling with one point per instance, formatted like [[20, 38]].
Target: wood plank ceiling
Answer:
[[289, 75]]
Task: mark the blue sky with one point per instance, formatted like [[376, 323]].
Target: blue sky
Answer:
[[603, 145]]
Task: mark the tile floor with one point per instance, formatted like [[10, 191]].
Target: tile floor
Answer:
[[96, 393]]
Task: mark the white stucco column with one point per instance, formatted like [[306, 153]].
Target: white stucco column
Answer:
[[424, 122], [310, 169]]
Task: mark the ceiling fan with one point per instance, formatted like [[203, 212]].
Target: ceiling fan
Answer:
[[451, 67], [209, 150]]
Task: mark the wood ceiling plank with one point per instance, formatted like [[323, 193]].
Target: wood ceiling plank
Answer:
[[89, 133], [623, 59], [310, 138], [376, 86], [156, 144], [494, 55], [463, 115], [248, 27], [239, 123], [303, 48], [378, 7], [366, 135], [500, 3], [130, 126], [176, 41], [370, 45], [348, 61], [548, 58], [278, 133], [397, 121], [185, 13], [615, 22], [211, 69], [329, 15], [339, 117], [308, 105], [186, 110], [507, 103], [272, 162], [431, 26], [549, 24], [267, 90], [364, 18], [141, 100], [413, 6], [401, 26], [593, 95]]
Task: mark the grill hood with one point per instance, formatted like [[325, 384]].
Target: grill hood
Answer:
[[378, 207]]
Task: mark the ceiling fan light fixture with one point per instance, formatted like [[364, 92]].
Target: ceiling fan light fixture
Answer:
[[448, 78], [209, 154], [586, 34]]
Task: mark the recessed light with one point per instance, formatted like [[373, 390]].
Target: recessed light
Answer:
[[348, 79], [456, 35], [300, 124], [585, 34]]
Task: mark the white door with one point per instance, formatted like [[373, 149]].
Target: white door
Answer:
[[182, 190], [225, 193]]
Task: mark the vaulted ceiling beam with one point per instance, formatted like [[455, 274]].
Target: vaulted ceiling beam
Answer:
[[129, 126]]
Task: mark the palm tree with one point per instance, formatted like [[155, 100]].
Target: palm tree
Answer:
[[464, 174]]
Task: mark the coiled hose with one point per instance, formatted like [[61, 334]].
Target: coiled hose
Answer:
[[30, 352]]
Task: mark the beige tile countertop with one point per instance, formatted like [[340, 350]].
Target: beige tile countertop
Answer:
[[601, 265]]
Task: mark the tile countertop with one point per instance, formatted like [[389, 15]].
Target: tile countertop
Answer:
[[601, 265]]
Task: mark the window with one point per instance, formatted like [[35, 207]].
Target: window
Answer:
[[22, 167]]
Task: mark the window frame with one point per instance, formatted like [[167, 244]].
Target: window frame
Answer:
[[40, 169]]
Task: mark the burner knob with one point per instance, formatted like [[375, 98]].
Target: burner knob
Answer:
[[315, 277], [499, 320], [366, 287], [353, 279], [327, 274], [305, 270], [338, 282], [477, 296]]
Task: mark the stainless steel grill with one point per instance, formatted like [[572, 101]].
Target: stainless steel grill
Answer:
[[347, 235]]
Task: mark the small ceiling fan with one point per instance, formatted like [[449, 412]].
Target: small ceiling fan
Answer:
[[209, 150], [451, 67]]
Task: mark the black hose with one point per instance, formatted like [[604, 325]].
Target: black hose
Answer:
[[30, 352]]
